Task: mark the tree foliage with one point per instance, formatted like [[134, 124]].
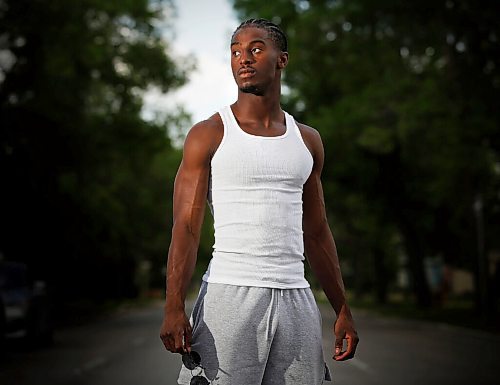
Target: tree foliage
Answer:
[[86, 181], [405, 95]]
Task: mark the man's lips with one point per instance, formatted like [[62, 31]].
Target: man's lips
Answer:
[[246, 72]]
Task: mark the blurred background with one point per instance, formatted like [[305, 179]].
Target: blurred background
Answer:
[[96, 97]]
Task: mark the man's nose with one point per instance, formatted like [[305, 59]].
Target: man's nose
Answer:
[[246, 57]]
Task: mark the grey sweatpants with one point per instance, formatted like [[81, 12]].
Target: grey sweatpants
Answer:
[[256, 336]]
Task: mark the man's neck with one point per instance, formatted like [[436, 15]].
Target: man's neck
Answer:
[[262, 108]]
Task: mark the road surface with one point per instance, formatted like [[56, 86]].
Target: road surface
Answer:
[[124, 349]]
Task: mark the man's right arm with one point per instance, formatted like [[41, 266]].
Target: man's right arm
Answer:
[[190, 193]]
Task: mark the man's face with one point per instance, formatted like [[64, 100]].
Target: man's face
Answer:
[[255, 60]]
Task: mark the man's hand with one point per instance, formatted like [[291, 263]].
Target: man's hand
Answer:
[[176, 332], [344, 330]]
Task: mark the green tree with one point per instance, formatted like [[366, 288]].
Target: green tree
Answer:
[[405, 95], [86, 180]]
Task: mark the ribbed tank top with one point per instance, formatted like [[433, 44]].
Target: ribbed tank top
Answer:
[[255, 196]]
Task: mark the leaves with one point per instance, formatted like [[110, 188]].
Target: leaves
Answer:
[[87, 180], [405, 96]]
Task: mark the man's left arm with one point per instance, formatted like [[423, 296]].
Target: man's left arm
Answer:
[[321, 251]]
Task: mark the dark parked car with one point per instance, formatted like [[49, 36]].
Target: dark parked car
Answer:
[[25, 306]]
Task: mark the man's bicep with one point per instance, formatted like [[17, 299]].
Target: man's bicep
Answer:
[[313, 198], [190, 189], [196, 151], [314, 205], [191, 182]]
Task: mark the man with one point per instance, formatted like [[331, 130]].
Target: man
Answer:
[[255, 320]]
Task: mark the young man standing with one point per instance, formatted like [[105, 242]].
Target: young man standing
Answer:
[[255, 320]]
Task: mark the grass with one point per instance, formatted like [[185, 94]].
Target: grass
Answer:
[[85, 311], [455, 311]]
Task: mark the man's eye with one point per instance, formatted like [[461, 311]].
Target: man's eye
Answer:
[[256, 50], [236, 53]]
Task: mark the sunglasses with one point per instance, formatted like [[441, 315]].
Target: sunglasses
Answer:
[[192, 361]]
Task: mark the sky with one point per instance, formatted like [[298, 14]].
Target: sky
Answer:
[[202, 32]]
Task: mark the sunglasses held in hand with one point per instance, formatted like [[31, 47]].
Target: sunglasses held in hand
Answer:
[[192, 361]]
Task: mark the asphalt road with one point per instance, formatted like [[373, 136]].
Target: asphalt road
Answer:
[[125, 349]]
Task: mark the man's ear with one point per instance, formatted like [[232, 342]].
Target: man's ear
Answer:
[[282, 60]]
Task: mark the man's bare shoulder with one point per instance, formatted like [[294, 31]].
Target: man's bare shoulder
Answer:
[[312, 138], [206, 134], [212, 126]]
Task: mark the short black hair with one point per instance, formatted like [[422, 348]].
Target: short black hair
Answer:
[[276, 34]]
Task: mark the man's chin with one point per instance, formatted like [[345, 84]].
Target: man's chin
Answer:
[[251, 89]]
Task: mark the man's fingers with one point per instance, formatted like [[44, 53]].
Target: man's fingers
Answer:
[[179, 343], [339, 339], [339, 343], [174, 344], [175, 332], [187, 339], [168, 342], [350, 350]]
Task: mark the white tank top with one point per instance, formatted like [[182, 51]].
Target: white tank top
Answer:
[[255, 196]]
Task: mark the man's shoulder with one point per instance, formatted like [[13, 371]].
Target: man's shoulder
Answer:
[[210, 126], [308, 130], [207, 133], [311, 136], [312, 140]]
